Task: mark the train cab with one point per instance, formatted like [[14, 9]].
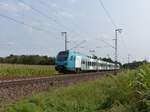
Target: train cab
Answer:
[[67, 61], [61, 61]]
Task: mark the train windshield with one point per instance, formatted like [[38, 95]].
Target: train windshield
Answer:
[[62, 56]]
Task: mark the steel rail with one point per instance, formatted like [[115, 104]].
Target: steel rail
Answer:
[[22, 81]]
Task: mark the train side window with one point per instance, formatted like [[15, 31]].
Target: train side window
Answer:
[[86, 63], [83, 62], [71, 58], [93, 64], [89, 63], [96, 63], [99, 64]]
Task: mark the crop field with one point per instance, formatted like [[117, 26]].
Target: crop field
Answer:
[[127, 92], [12, 70]]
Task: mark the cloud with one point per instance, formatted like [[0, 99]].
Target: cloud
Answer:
[[73, 1], [66, 14], [13, 7], [54, 5], [23, 7], [6, 44]]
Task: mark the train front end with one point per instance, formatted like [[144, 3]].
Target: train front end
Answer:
[[62, 61]]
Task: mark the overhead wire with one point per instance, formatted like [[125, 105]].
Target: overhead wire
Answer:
[[38, 11], [57, 13], [86, 33], [35, 19], [48, 17], [78, 45], [108, 14], [42, 14], [23, 23], [108, 44], [110, 18]]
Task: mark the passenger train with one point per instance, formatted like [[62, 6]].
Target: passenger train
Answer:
[[71, 61]]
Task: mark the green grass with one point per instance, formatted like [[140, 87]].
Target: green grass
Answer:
[[10, 70], [127, 92]]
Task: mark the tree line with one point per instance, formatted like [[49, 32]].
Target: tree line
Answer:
[[28, 59], [135, 64]]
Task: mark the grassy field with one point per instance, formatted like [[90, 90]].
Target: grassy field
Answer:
[[126, 92], [10, 70]]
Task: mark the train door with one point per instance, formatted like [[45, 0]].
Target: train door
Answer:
[[78, 62]]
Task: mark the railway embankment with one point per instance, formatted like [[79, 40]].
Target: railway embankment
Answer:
[[13, 89], [126, 92]]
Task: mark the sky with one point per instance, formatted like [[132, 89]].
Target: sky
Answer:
[[83, 20]]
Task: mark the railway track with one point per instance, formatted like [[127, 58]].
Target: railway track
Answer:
[[12, 89]]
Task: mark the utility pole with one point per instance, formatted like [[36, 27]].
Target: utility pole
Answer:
[[65, 35], [116, 48], [129, 58]]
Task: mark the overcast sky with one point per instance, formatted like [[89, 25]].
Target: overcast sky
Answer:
[[83, 20]]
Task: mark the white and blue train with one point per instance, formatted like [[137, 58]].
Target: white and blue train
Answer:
[[71, 61]]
